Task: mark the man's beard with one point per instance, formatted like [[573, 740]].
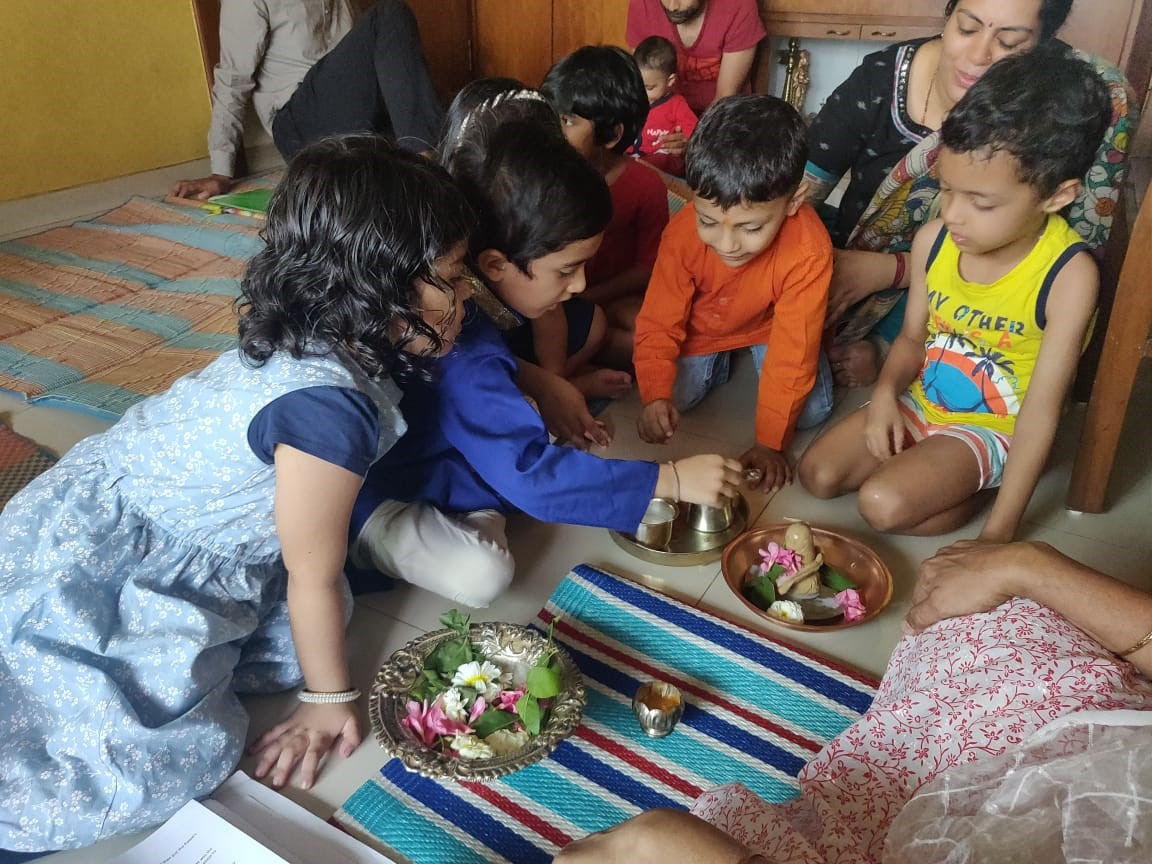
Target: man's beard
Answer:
[[685, 15]]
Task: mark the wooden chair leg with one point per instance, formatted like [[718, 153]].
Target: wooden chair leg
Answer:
[[1128, 330]]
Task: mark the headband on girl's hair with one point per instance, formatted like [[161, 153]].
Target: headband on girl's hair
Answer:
[[493, 102]]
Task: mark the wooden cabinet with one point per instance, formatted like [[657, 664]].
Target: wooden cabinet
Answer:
[[1118, 30]]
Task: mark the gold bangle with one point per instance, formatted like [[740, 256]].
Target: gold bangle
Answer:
[[676, 475], [1147, 638]]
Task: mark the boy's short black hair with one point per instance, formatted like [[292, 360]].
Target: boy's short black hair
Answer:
[[600, 83], [656, 53], [748, 149], [533, 193], [1053, 14], [1047, 108]]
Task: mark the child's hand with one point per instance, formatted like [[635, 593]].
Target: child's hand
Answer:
[[658, 421], [776, 470], [304, 739], [884, 428], [674, 143], [708, 479], [566, 415]]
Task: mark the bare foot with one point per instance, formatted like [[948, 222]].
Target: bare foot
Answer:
[[602, 383], [855, 364]]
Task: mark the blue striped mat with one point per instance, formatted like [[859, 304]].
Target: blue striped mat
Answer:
[[756, 711]]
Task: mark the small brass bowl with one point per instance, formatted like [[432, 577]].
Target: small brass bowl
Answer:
[[710, 520], [658, 707]]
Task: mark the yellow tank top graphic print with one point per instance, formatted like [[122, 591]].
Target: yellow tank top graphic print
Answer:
[[983, 340]]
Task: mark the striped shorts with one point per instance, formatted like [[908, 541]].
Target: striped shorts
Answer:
[[990, 448]]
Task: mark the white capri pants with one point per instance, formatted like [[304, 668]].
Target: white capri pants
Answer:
[[462, 556]]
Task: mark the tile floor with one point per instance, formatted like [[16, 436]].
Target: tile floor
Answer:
[[1117, 541]]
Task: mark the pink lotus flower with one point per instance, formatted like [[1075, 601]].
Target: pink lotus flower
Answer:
[[851, 603], [429, 722], [785, 557], [509, 698]]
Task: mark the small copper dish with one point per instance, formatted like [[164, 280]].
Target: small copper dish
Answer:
[[851, 557], [658, 706]]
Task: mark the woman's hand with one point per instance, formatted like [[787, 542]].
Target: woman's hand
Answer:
[[658, 421], [304, 739], [884, 428], [708, 479], [856, 275], [776, 470], [973, 576]]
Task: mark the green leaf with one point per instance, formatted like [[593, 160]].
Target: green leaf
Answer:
[[530, 714], [544, 682], [774, 572], [492, 720], [835, 579], [762, 590], [456, 620], [448, 655]]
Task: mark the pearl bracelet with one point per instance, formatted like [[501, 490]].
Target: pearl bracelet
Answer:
[[314, 698]]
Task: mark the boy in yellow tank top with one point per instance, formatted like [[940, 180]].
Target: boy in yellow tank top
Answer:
[[1003, 294]]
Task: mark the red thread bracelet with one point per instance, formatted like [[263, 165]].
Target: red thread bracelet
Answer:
[[899, 277]]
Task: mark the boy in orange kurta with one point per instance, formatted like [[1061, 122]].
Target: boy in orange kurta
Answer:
[[747, 266]]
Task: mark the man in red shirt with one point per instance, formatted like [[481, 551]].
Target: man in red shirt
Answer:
[[715, 43]]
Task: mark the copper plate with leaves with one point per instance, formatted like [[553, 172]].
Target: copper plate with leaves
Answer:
[[512, 647]]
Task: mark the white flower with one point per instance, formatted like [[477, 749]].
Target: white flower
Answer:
[[471, 747], [787, 610], [452, 702], [505, 741], [483, 677]]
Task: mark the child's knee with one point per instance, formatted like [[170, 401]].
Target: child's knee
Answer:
[[820, 477], [487, 572], [883, 506]]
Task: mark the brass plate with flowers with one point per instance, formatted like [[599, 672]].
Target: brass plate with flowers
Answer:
[[465, 735]]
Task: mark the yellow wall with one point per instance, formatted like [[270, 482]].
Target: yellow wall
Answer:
[[92, 89]]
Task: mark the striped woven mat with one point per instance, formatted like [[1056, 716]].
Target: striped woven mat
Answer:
[[756, 711], [21, 459], [101, 313]]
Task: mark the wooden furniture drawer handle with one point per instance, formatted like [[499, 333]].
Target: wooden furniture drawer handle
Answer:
[[884, 34], [838, 33]]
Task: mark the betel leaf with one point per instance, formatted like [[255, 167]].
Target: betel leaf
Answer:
[[492, 720], [456, 620], [530, 713], [544, 681], [835, 579], [449, 655], [761, 591]]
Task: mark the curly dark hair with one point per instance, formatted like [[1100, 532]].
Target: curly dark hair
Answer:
[[1047, 108], [603, 84], [533, 192], [747, 149], [1053, 14], [354, 224]]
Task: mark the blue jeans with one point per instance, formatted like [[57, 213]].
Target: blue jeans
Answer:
[[697, 376]]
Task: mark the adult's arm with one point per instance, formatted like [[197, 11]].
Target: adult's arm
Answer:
[[244, 34], [656, 837], [976, 576], [734, 69], [1069, 308]]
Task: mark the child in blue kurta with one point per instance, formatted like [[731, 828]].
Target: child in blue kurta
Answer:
[[431, 511], [160, 567]]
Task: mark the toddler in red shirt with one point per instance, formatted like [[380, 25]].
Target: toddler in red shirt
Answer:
[[668, 111]]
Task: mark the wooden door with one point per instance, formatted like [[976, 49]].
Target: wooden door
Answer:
[[576, 23], [446, 34], [512, 38]]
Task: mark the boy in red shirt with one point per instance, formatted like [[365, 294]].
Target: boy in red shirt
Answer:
[[747, 266], [599, 94], [667, 110]]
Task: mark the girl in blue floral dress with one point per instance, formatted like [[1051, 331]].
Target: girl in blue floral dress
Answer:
[[195, 550]]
